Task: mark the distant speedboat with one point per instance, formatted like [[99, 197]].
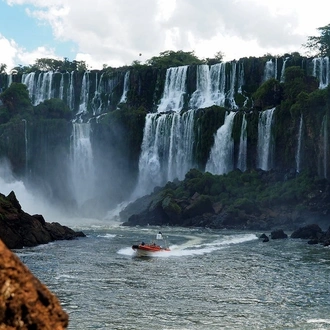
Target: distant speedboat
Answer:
[[150, 249]]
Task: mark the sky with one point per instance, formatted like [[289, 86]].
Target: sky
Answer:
[[118, 32]]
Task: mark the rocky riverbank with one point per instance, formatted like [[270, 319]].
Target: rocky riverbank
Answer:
[[255, 200], [19, 229]]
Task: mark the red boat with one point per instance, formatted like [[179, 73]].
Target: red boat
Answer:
[[150, 249]]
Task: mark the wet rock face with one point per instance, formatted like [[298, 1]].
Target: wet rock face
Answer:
[[26, 303]]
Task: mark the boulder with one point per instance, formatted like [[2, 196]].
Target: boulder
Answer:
[[278, 234], [19, 229], [26, 303], [311, 232]]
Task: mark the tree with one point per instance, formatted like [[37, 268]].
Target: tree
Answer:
[[171, 58], [16, 98], [218, 57], [321, 44]]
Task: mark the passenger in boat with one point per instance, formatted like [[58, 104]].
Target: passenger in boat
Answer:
[[142, 243]]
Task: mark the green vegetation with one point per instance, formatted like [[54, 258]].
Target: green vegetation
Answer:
[[248, 191], [320, 45], [171, 58]]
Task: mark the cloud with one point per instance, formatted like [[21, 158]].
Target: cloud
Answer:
[[115, 32], [8, 52]]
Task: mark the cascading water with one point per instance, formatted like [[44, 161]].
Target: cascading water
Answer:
[[221, 158], [299, 145], [82, 166], [283, 70], [174, 89], [321, 71], [44, 89], [210, 89], [166, 150], [242, 153], [84, 95], [123, 98], [265, 147], [231, 92], [270, 70]]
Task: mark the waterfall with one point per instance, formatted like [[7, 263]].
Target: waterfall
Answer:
[[283, 70], [242, 153], [70, 98], [231, 92], [44, 87], [28, 80], [166, 151], [210, 86], [202, 98], [174, 90], [321, 71], [61, 91], [97, 102], [270, 70], [84, 95], [123, 98], [240, 77], [265, 140], [299, 145], [221, 159], [82, 166]]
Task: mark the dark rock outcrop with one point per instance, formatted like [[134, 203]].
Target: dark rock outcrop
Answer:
[[26, 303], [19, 229], [278, 234]]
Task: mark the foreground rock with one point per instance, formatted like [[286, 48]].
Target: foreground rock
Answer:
[[25, 303], [19, 229]]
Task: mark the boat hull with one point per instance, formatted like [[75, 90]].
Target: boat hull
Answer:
[[148, 250]]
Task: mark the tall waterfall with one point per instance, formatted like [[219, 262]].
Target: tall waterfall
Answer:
[[123, 98], [211, 86], [299, 145], [84, 95], [174, 90], [265, 147], [242, 153], [221, 159], [270, 70], [166, 150], [82, 166], [321, 70], [283, 70]]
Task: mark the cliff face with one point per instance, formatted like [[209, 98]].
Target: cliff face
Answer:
[[118, 144]]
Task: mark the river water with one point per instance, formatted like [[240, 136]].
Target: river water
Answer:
[[211, 279]]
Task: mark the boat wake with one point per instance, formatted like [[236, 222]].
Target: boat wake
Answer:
[[197, 246]]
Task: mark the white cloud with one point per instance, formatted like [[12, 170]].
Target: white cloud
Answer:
[[8, 52], [115, 32]]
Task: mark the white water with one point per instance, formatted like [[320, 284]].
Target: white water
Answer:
[[242, 153], [82, 166], [166, 152], [174, 89], [221, 159], [270, 70], [299, 145], [321, 70], [265, 140], [123, 98]]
